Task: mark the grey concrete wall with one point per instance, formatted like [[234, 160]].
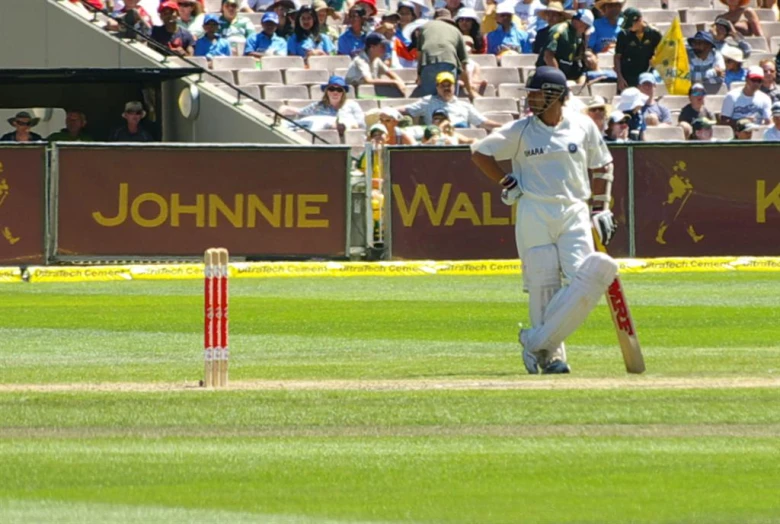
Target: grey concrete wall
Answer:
[[52, 34]]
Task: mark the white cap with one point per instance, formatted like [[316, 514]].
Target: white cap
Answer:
[[467, 12], [377, 127], [585, 16], [390, 112], [733, 53], [506, 8], [617, 116], [631, 98]]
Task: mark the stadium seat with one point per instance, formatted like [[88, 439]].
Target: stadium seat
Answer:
[[663, 133], [606, 59], [471, 132], [501, 75], [516, 91], [256, 18], [722, 133], [518, 60], [297, 103], [397, 102], [199, 61], [608, 91], [484, 60], [329, 63], [688, 30], [266, 77], [643, 4], [285, 92], [659, 16], [272, 104], [674, 102], [408, 75], [756, 57], [758, 134], [766, 15], [233, 63], [282, 62], [703, 16], [714, 102], [212, 6], [294, 76], [770, 29], [372, 91], [502, 117], [774, 44], [737, 85], [253, 91], [367, 105], [758, 43], [227, 76], [676, 5], [662, 28], [486, 104], [355, 137]]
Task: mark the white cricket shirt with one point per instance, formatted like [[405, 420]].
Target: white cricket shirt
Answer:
[[551, 163]]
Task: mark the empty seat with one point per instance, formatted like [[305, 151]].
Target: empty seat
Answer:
[[644, 4], [758, 43], [367, 105], [518, 60], [253, 91], [471, 132], [198, 61], [408, 75], [688, 30], [490, 90], [774, 44], [702, 16], [355, 137], [676, 5], [281, 62], [267, 107], [218, 75], [756, 57], [285, 92], [659, 16], [212, 6], [331, 136], [722, 133], [495, 104], [770, 29], [256, 18], [502, 117], [674, 102], [663, 133], [758, 134], [397, 102], [372, 91], [662, 28], [714, 102], [500, 75], [341, 71], [766, 15], [233, 62], [606, 59], [298, 103], [294, 76], [256, 77], [737, 85], [516, 91], [484, 60], [605, 90], [329, 63]]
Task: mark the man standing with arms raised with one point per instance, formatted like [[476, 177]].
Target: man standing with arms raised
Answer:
[[552, 153]]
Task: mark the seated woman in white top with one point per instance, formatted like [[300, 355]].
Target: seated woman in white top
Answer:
[[334, 111]]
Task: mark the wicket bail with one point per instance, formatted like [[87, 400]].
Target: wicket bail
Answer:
[[215, 341]]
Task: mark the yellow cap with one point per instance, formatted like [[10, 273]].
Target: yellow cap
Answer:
[[445, 76]]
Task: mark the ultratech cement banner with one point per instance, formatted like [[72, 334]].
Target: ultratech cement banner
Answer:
[[180, 201], [444, 208], [706, 201], [22, 204]]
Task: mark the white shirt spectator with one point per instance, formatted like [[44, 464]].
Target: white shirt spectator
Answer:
[[737, 105], [460, 112], [773, 134], [350, 113], [360, 69]]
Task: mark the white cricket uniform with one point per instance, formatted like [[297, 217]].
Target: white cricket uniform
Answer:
[[551, 165]]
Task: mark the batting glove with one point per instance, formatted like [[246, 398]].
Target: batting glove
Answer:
[[511, 192], [604, 224]]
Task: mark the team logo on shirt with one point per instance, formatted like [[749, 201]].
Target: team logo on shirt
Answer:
[[533, 152], [572, 148]]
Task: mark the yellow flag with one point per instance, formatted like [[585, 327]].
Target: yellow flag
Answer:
[[671, 61]]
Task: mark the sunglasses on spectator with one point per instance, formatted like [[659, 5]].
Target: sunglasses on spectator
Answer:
[[599, 109], [186, 4], [698, 93], [335, 90], [24, 123]]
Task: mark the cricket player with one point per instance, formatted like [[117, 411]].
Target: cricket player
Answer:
[[552, 153]]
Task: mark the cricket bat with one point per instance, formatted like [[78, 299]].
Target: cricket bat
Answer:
[[624, 322]]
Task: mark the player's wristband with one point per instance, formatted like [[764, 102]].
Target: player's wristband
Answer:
[[508, 182]]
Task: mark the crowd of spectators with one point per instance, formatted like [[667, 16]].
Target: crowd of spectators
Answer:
[[591, 42]]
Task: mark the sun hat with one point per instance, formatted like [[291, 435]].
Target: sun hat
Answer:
[[391, 112], [647, 77], [377, 127], [506, 8], [745, 124], [24, 114], [733, 53], [336, 81], [631, 98], [133, 106], [702, 36], [554, 6], [467, 12], [702, 123], [585, 16], [597, 102]]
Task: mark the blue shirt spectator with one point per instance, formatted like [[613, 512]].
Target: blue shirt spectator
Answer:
[[301, 48], [351, 44], [507, 36], [210, 44], [307, 39], [734, 76], [604, 34], [266, 42]]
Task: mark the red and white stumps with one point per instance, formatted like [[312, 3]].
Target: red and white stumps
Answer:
[[215, 336]]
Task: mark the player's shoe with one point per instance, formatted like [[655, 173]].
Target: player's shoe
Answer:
[[530, 360], [556, 367]]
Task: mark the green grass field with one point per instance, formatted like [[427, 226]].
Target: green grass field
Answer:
[[398, 399]]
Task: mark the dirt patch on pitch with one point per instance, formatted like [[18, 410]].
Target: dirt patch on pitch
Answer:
[[529, 383]]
